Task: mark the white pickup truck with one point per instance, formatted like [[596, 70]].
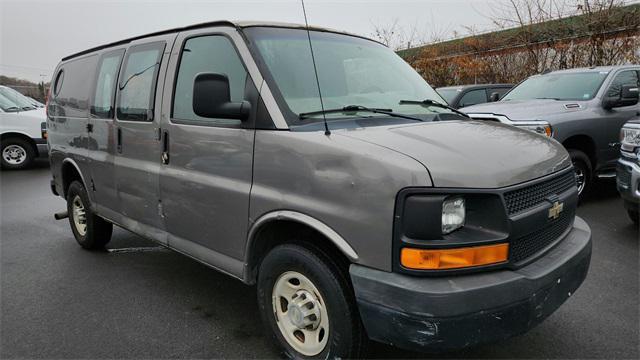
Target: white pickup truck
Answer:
[[23, 132]]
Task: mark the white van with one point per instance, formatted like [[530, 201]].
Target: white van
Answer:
[[23, 132]]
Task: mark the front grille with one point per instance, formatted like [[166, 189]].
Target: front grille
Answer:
[[529, 196], [623, 176], [526, 246]]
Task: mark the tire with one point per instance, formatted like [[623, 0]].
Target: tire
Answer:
[[330, 305], [584, 172], [90, 230], [634, 216], [16, 153]]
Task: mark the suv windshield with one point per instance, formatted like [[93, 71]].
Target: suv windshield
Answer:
[[18, 99], [351, 71], [559, 86]]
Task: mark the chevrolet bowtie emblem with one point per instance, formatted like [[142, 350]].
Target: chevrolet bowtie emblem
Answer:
[[555, 210]]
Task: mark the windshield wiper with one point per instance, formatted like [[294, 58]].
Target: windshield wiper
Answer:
[[429, 102], [12, 109], [547, 98], [357, 108]]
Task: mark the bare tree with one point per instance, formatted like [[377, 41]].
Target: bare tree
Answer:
[[533, 36]]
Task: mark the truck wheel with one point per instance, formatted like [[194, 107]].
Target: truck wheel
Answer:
[[90, 230], [634, 216], [307, 305], [17, 153], [583, 169]]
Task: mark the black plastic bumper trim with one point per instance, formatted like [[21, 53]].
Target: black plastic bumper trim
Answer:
[[446, 313]]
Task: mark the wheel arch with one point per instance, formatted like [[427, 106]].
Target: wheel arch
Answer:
[[276, 227], [20, 135], [70, 171], [583, 143]]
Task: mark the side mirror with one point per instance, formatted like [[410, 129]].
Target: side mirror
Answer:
[[629, 96], [212, 98], [494, 97]]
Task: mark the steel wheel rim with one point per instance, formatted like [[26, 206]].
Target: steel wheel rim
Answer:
[[79, 215], [300, 313], [14, 154], [580, 179]]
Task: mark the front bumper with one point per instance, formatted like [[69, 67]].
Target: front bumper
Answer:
[[628, 181], [445, 313], [42, 147]]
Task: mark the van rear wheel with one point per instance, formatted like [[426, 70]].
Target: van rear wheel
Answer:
[[90, 230], [307, 305]]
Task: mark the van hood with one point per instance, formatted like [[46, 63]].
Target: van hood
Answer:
[[469, 153], [519, 110]]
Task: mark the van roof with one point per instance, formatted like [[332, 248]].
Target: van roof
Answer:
[[236, 24]]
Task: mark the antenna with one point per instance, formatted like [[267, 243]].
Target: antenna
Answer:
[[315, 69]]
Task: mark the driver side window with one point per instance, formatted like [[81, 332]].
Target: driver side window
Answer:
[[628, 77], [207, 54]]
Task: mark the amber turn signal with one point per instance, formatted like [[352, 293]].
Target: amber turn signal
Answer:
[[429, 259]]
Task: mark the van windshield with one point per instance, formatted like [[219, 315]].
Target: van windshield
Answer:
[[559, 86], [7, 105], [17, 98], [351, 71]]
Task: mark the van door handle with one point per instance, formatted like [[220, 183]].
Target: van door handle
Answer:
[[165, 148], [89, 127], [119, 140]]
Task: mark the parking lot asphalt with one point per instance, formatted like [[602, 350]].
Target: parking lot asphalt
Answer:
[[59, 301]]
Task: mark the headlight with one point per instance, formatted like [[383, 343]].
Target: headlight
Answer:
[[541, 127], [630, 137], [453, 214]]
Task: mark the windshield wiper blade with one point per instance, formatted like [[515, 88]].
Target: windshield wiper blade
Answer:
[[429, 102], [357, 108]]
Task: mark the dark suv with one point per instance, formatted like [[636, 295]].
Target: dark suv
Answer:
[[468, 95], [583, 109]]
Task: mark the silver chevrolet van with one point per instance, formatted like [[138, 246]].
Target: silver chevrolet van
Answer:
[[322, 168]]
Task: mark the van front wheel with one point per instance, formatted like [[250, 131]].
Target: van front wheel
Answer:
[[90, 230], [16, 153], [307, 305]]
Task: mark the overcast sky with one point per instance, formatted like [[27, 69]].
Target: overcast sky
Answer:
[[35, 35]]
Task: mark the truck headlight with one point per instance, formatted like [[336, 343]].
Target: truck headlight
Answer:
[[630, 137], [540, 127], [453, 214]]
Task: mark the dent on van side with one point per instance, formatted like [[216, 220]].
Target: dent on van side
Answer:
[[211, 140]]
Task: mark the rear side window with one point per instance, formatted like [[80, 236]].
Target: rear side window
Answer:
[[137, 83], [58, 84], [72, 90], [473, 97], [207, 54], [105, 90], [629, 77]]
